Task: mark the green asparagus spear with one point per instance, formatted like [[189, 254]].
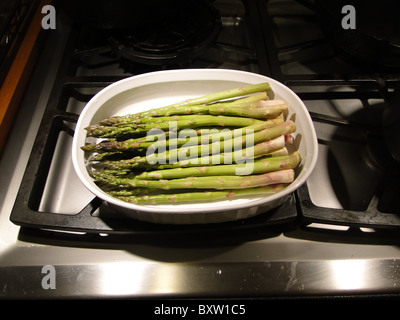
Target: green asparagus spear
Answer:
[[199, 109], [223, 95], [137, 143], [186, 197], [192, 122], [260, 166], [221, 182], [263, 109], [197, 105], [259, 110], [129, 192]]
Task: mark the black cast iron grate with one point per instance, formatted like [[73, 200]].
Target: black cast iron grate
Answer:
[[382, 210]]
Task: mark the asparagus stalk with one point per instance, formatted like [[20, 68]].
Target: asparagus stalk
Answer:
[[199, 109], [223, 95], [105, 155], [201, 196], [260, 166], [251, 98], [261, 109], [129, 192], [191, 122], [258, 110], [221, 182], [161, 160], [196, 105], [278, 153], [137, 143]]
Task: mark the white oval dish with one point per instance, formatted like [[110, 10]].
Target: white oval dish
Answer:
[[157, 89]]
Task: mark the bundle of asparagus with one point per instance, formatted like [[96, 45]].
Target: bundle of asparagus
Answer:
[[223, 145]]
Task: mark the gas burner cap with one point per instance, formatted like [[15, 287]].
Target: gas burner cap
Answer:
[[175, 32]]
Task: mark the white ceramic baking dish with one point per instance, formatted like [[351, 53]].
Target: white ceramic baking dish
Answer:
[[157, 89]]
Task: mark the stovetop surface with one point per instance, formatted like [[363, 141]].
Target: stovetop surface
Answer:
[[334, 236]]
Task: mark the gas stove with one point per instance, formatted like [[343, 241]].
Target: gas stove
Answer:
[[337, 235]]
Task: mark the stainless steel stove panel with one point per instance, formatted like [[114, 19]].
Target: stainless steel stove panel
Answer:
[[280, 261]]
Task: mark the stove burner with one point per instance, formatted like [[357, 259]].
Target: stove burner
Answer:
[[174, 32]]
